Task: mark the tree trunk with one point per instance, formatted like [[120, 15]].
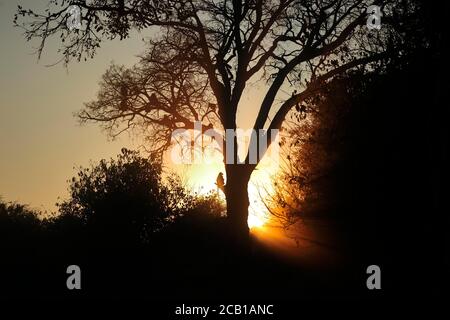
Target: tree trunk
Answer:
[[238, 176]]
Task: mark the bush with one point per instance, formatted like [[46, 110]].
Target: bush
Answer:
[[124, 201], [19, 225]]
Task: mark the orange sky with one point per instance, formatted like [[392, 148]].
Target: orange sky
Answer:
[[40, 139]]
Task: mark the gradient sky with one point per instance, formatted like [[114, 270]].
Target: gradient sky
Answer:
[[41, 141]]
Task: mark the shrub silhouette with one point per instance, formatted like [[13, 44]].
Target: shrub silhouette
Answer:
[[124, 213], [124, 201], [19, 225]]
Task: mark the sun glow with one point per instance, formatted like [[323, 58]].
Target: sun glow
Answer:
[[258, 214], [256, 220], [201, 177]]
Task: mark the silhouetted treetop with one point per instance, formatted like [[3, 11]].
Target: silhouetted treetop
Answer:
[[125, 197], [153, 98], [203, 54], [303, 42]]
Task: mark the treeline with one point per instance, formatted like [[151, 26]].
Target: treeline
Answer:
[[120, 202], [123, 222]]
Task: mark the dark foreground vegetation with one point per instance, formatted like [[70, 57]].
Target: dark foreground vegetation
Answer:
[[135, 236]]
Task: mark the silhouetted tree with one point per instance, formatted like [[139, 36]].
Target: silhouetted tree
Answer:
[[319, 155], [206, 52], [315, 149], [19, 225], [125, 200]]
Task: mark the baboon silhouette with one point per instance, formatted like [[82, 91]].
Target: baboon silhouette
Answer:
[[220, 182]]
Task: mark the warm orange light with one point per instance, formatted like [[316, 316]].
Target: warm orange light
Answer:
[[201, 177], [258, 214], [255, 221]]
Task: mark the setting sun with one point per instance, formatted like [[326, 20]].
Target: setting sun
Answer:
[[255, 220], [201, 178]]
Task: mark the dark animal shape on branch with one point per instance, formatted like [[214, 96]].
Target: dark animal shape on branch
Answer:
[[123, 97], [152, 103], [220, 182], [301, 109]]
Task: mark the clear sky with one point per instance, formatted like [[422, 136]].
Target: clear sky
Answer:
[[41, 142], [40, 139]]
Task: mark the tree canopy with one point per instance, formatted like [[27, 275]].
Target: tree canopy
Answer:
[[203, 54]]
